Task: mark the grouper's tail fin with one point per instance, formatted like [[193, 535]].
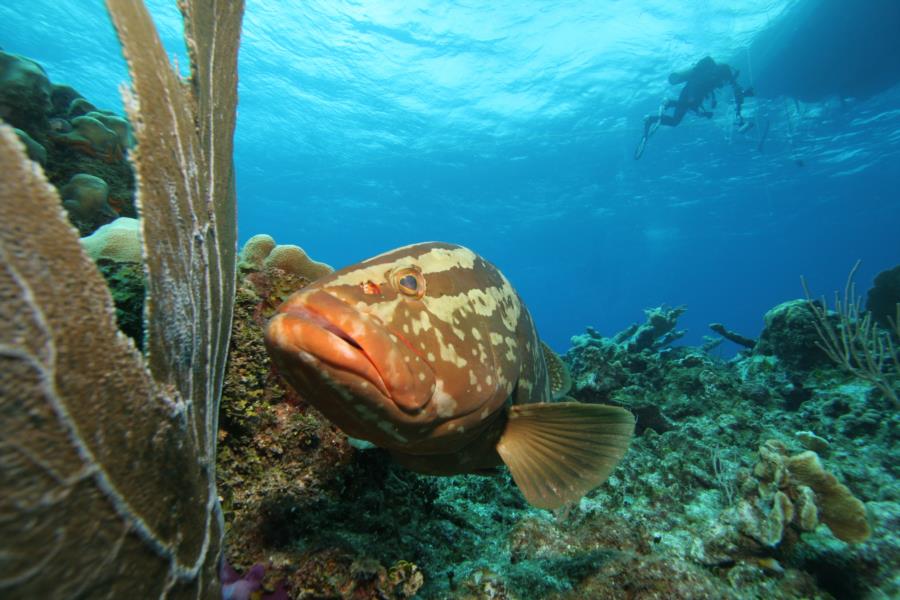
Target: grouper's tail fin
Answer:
[[558, 452]]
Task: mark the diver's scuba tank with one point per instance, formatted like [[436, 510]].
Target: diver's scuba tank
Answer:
[[679, 76]]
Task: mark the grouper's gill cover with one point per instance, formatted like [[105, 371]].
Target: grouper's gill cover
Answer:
[[428, 351]]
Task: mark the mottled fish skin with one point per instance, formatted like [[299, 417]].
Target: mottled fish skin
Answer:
[[419, 350]]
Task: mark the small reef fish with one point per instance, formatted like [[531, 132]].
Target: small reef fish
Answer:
[[427, 351]]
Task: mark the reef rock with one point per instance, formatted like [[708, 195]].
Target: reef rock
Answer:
[[790, 335], [883, 298]]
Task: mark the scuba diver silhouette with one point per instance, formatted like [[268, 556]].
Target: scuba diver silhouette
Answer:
[[701, 82]]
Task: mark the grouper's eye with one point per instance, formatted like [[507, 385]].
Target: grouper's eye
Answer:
[[409, 281]]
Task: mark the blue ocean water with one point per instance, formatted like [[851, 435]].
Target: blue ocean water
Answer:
[[510, 127]]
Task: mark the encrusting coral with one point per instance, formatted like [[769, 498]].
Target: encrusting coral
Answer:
[[108, 485]]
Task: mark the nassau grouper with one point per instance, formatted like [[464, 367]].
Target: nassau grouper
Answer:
[[427, 351]]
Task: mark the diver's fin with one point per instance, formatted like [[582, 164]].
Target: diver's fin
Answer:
[[560, 451], [557, 371], [639, 151], [650, 126]]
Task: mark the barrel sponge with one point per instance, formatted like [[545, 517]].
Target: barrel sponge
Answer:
[[292, 259], [119, 241], [844, 514], [255, 251]]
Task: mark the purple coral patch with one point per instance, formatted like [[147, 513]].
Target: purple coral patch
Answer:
[[237, 587]]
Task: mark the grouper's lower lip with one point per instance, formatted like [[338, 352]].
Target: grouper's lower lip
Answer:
[[299, 328], [348, 341]]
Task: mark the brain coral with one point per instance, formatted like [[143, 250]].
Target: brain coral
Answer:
[[255, 252], [261, 253], [119, 241], [293, 259]]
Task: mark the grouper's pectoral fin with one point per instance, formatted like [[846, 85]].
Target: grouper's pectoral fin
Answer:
[[557, 452]]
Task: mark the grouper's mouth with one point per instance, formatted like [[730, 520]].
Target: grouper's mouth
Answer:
[[351, 347]]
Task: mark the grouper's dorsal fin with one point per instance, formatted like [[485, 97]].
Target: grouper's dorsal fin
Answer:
[[557, 452], [560, 381]]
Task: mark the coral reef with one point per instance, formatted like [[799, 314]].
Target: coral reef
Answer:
[[790, 335], [117, 250], [126, 284], [748, 480], [71, 139]]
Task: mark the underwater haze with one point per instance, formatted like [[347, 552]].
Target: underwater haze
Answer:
[[510, 127]]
